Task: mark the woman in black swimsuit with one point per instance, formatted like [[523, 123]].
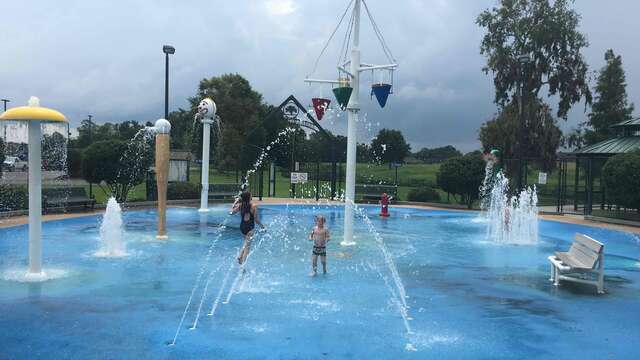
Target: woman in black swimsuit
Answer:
[[248, 220]]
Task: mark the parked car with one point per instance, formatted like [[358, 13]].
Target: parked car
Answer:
[[11, 163]]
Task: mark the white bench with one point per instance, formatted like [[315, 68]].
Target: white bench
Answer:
[[583, 263]]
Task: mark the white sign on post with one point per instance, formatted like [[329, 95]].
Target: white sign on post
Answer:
[[299, 178], [542, 178]]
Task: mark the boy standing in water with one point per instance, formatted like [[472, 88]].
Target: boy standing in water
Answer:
[[320, 236]]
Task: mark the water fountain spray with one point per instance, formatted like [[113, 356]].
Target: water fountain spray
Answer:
[[35, 116], [510, 220], [207, 116], [162, 129]]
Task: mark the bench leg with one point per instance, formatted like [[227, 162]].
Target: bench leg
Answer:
[[556, 277], [601, 282], [553, 273]]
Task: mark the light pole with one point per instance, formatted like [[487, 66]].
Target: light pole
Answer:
[[167, 49], [523, 60], [90, 142], [353, 107], [90, 128], [5, 101]]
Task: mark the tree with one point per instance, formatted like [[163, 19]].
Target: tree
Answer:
[[543, 140], [183, 131], [621, 180], [364, 153], [389, 146], [127, 130], [240, 108], [119, 165], [437, 155], [547, 32], [611, 105], [90, 132], [462, 176]]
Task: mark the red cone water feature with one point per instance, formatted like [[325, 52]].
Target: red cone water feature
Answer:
[[320, 105]]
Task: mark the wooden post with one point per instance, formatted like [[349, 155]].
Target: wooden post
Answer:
[[162, 177]]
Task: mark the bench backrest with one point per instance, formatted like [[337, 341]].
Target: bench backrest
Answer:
[[586, 250]]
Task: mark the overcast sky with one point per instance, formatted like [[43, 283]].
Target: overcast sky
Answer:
[[105, 57]]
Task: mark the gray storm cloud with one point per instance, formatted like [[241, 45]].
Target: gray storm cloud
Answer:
[[105, 58]]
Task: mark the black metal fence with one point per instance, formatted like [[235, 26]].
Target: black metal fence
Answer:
[[569, 184]]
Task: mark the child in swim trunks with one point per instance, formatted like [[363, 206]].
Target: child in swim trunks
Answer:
[[320, 236]]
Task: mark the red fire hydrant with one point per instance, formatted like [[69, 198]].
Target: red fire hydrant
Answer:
[[384, 203]]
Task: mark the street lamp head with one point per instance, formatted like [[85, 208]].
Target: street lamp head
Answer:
[[168, 49], [524, 59]]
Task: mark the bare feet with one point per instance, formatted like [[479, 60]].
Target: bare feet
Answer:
[[313, 273]]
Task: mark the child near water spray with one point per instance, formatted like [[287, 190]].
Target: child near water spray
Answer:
[[320, 236]]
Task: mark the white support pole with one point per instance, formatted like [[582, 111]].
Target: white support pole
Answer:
[[353, 108], [35, 199], [206, 144]]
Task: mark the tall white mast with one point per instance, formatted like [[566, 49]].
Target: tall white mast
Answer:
[[353, 108]]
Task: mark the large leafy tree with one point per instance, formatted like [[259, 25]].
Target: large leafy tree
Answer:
[[462, 176], [90, 132], [118, 164], [545, 30], [127, 130], [611, 105], [389, 146], [544, 135], [239, 106]]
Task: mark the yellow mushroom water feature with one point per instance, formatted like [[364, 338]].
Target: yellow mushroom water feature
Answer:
[[34, 115]]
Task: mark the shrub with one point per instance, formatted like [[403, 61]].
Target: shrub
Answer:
[[621, 180], [13, 197], [463, 176], [425, 194], [183, 190], [120, 165]]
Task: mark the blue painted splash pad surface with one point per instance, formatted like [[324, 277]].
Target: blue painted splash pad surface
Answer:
[[468, 298]]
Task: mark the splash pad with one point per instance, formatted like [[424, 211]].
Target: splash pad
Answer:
[[463, 296]]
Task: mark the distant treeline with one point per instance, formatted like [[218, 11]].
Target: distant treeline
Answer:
[[437, 155]]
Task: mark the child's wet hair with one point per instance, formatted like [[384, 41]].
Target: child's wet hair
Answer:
[[321, 219]]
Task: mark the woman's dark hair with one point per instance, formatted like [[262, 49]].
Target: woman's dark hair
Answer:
[[245, 198]]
